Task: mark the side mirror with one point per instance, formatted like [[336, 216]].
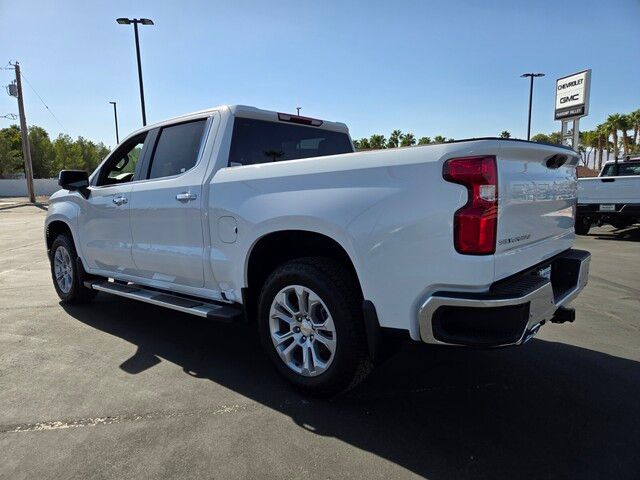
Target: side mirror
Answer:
[[73, 179]]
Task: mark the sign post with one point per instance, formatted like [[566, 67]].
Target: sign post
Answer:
[[572, 103]]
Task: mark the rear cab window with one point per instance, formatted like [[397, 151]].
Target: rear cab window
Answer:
[[260, 141], [624, 169]]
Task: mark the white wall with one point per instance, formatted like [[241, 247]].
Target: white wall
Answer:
[[18, 187]]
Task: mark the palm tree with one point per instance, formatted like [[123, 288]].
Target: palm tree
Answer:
[[615, 122], [603, 140], [362, 144], [590, 139], [408, 139], [377, 142], [625, 125], [424, 141], [394, 139], [505, 134], [439, 139], [635, 121]]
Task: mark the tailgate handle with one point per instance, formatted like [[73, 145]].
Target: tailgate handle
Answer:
[[556, 161], [608, 180]]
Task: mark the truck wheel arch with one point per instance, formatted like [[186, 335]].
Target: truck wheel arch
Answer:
[[54, 229], [275, 248]]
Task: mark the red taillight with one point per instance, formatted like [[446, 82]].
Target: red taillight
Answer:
[[474, 225]]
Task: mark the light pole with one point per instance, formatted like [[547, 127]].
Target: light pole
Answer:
[[298, 109], [135, 22], [531, 76], [115, 117]]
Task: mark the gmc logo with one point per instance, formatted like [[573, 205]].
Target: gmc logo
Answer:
[[571, 98]]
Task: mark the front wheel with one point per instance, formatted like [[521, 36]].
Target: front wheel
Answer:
[[311, 326], [67, 273], [583, 225]]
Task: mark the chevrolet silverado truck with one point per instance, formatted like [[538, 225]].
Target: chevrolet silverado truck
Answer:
[[239, 214], [613, 197]]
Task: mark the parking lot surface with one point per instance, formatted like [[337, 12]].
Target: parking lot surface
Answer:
[[118, 389]]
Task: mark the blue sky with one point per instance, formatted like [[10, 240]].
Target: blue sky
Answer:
[[449, 68]]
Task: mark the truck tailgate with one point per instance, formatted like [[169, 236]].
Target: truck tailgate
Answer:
[[536, 206], [609, 190]]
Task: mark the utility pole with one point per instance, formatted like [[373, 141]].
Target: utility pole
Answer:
[[24, 133], [298, 109], [115, 116]]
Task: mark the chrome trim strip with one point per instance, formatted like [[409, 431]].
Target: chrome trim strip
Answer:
[[542, 307]]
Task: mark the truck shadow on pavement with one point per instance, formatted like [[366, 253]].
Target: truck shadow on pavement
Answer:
[[629, 234], [544, 410]]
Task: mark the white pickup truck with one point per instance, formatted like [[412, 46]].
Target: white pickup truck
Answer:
[[613, 197], [241, 214]]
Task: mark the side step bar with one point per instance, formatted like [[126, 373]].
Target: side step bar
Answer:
[[200, 308]]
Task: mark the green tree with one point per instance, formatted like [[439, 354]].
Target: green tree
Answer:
[[394, 139], [615, 122], [625, 125], [408, 139], [424, 141], [541, 138], [377, 142], [634, 117], [10, 157], [68, 154], [505, 134], [439, 139], [42, 153], [363, 144], [589, 140]]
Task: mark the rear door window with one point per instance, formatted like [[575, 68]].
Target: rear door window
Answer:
[[177, 149], [260, 141]]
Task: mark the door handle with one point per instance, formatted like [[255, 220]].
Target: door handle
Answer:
[[186, 196], [120, 200]]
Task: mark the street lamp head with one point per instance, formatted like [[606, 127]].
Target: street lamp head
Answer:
[[538, 74], [112, 103], [525, 75], [146, 21], [123, 21]]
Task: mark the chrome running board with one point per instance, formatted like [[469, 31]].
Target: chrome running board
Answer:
[[201, 308]]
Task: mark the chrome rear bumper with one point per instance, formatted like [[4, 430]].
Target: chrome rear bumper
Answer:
[[511, 312]]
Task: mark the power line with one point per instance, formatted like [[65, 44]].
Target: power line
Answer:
[[43, 102]]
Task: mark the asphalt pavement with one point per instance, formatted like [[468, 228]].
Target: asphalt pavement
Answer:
[[118, 389]]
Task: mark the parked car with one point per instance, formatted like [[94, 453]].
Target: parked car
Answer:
[[613, 197], [240, 214]]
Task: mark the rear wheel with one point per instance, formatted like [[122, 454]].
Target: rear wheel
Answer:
[[583, 225], [311, 326], [67, 272]]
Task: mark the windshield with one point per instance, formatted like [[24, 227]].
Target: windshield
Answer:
[[259, 141], [624, 169]]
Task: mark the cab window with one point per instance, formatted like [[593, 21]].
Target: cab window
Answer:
[[121, 166], [177, 149]]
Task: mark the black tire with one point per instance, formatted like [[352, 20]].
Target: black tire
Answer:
[[583, 225], [77, 292], [339, 292]]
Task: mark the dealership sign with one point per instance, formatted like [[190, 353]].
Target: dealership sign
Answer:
[[572, 96]]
